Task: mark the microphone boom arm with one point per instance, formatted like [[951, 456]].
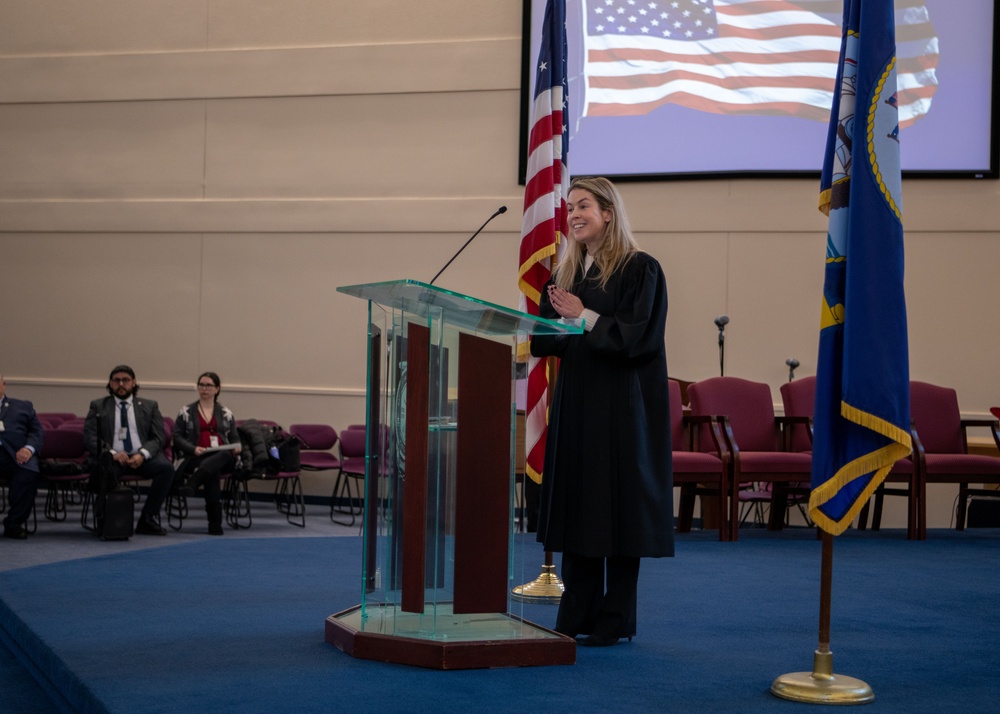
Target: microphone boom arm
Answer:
[[502, 209]]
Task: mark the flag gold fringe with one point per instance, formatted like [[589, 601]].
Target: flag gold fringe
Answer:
[[879, 461]]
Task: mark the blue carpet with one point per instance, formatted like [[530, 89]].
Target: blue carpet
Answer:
[[238, 626]]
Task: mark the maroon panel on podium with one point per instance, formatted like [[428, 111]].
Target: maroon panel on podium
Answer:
[[375, 457], [482, 488], [418, 342]]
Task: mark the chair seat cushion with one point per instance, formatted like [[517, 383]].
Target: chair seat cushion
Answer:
[[903, 467], [958, 465], [318, 460], [354, 465], [775, 462], [696, 462]]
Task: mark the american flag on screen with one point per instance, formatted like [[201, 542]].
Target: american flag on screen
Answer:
[[544, 222], [776, 57]]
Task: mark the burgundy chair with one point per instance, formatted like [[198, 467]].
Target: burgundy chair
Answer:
[[75, 422], [799, 399], [755, 441], [698, 472], [317, 443], [56, 418], [352, 470], [62, 463], [941, 449]]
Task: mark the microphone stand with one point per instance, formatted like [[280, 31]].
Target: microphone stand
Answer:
[[722, 348], [502, 209]]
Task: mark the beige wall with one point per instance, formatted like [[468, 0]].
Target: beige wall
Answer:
[[229, 163]]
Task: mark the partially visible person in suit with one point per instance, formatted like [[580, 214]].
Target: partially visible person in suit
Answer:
[[201, 428], [20, 441], [131, 430]]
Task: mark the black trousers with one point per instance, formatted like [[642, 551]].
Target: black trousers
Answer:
[[587, 606], [161, 472], [23, 487], [213, 465]]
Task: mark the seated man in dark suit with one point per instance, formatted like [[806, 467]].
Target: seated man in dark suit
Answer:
[[131, 431], [20, 441]]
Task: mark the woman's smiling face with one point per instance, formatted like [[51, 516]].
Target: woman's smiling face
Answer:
[[587, 220]]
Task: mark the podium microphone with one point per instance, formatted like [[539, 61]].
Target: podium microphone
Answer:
[[721, 321], [502, 209]]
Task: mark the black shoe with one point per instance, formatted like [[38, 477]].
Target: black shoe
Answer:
[[15, 533], [194, 482], [145, 526], [600, 641]]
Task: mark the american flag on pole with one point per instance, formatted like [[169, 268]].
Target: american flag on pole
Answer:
[[776, 57], [544, 222]]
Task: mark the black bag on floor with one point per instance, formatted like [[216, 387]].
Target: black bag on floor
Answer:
[[119, 515], [114, 506]]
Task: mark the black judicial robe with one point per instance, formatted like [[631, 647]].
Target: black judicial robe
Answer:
[[607, 487]]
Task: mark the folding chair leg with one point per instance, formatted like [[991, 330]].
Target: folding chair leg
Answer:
[[290, 501], [177, 510], [236, 503]]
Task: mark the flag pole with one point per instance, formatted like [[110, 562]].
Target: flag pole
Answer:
[[547, 179], [547, 588], [822, 686]]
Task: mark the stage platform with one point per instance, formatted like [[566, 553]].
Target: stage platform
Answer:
[[237, 624]]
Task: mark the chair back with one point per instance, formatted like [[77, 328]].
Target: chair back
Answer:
[[936, 417], [168, 438], [62, 444], [315, 437], [56, 418], [352, 443], [748, 406], [676, 416], [799, 399]]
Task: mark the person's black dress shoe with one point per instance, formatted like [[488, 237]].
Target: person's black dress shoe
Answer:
[[16, 533], [148, 527], [600, 641]]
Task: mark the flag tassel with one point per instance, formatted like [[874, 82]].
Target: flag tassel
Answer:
[[822, 686]]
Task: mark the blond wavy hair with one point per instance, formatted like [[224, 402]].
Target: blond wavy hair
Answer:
[[618, 245]]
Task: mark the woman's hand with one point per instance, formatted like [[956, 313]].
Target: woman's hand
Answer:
[[199, 450], [564, 302]]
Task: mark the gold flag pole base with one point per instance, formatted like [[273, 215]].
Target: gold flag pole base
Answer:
[[547, 588], [822, 686]]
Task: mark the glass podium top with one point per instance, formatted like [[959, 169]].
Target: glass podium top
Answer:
[[461, 310]]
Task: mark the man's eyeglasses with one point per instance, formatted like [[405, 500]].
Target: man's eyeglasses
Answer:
[[121, 380]]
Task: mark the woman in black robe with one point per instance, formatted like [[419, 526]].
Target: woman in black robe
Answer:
[[607, 488]]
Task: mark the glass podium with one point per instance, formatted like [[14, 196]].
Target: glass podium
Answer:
[[440, 549]]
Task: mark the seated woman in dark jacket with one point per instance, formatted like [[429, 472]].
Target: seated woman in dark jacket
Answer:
[[202, 430]]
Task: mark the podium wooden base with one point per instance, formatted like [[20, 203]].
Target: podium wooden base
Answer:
[[514, 642]]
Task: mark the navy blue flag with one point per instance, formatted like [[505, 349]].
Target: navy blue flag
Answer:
[[862, 414]]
